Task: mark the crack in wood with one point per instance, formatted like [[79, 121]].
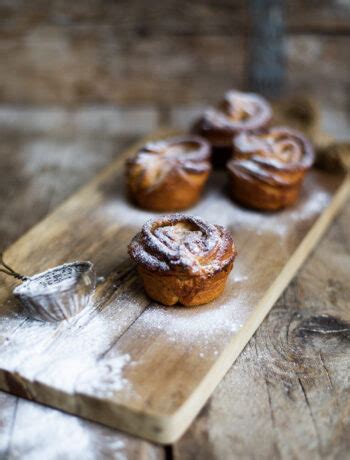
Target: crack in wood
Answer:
[[326, 370], [12, 430], [169, 452], [325, 325], [319, 441], [102, 355]]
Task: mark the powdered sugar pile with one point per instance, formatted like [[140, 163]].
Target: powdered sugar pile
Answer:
[[219, 208], [192, 324], [105, 378]]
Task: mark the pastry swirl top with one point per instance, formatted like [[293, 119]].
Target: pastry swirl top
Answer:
[[237, 112], [279, 155], [182, 155], [182, 244]]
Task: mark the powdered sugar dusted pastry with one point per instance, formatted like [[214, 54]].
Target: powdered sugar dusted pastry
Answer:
[[238, 112], [169, 175], [182, 259], [268, 168]]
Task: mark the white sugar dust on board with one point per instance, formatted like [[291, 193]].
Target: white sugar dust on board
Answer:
[[74, 349], [91, 442], [104, 378], [202, 327], [197, 328], [218, 207], [120, 209]]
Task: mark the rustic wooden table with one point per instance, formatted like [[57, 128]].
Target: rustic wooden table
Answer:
[[287, 396]]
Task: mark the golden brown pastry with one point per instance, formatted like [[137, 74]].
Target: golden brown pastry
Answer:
[[169, 175], [268, 168], [238, 112], [182, 259]]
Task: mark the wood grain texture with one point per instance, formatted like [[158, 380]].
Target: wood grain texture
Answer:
[[91, 65], [40, 169], [53, 435], [168, 56], [320, 54], [224, 412], [40, 165], [287, 395], [81, 62], [102, 365], [100, 68], [38, 172], [171, 17]]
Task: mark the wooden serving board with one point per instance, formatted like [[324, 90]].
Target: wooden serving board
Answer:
[[128, 362]]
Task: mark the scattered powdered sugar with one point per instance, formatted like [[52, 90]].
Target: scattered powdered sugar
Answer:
[[70, 437], [50, 434], [311, 205], [105, 378], [207, 326], [239, 278], [118, 446], [219, 208], [119, 209], [58, 354], [72, 363], [283, 222], [198, 327]]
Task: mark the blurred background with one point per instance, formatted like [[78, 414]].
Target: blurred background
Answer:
[[81, 79]]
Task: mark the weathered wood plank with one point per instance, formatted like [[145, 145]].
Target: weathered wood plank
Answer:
[[244, 386], [40, 170], [106, 68], [54, 65], [318, 17], [318, 63], [238, 433], [69, 366], [287, 396], [170, 17], [29, 430]]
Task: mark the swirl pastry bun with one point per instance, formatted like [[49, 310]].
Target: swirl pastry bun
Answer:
[[169, 175], [268, 168], [182, 259], [238, 112]]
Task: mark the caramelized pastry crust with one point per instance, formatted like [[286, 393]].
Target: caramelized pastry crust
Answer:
[[268, 168], [169, 175], [182, 259], [238, 112]]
